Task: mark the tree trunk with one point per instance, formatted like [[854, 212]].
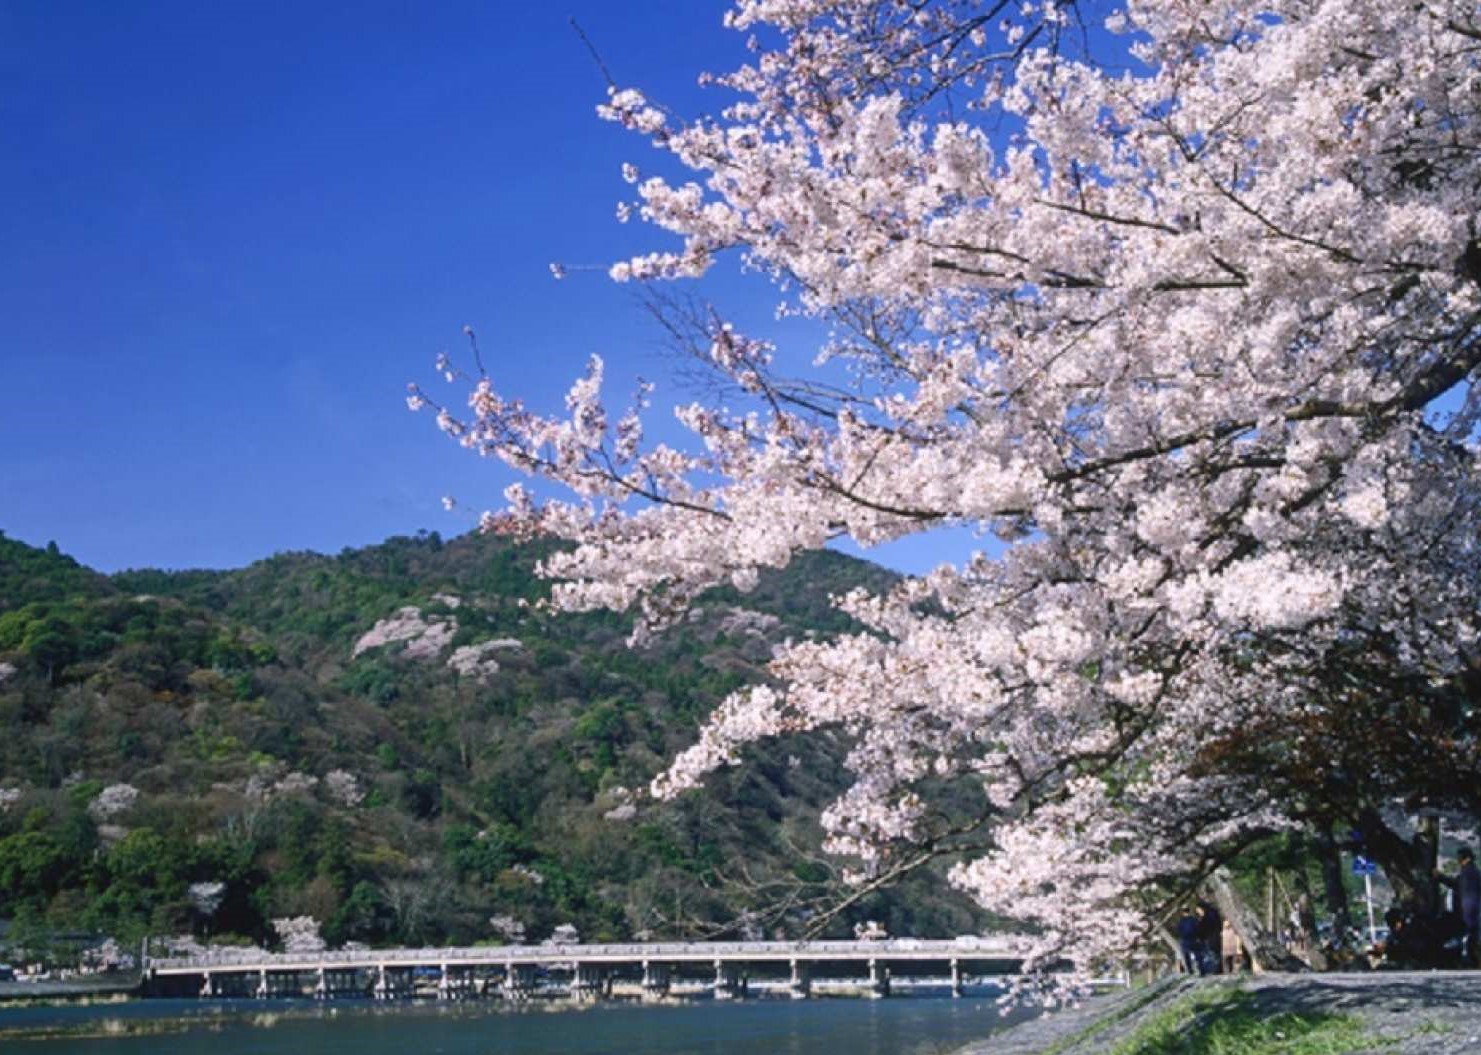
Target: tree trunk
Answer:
[[1427, 843], [1174, 947], [1332, 883], [1266, 952], [1409, 865], [1305, 921]]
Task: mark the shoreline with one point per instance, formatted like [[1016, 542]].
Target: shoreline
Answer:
[[109, 989]]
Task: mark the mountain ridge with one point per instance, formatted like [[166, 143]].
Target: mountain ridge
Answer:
[[395, 741]]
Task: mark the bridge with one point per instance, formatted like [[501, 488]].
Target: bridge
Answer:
[[725, 970]]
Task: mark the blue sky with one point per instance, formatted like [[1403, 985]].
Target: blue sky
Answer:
[[234, 231]]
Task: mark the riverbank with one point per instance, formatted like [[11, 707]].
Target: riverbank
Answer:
[[88, 989], [1397, 1013]]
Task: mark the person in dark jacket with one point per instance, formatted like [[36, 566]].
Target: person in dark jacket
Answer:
[[1189, 943], [1210, 934], [1416, 940], [1467, 886]]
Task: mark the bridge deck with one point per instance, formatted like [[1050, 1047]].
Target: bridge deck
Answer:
[[1000, 950]]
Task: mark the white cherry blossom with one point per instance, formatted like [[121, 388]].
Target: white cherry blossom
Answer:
[[1165, 310]]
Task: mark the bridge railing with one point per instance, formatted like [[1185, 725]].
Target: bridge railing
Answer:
[[914, 948]]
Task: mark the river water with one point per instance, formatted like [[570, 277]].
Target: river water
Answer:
[[905, 1025]]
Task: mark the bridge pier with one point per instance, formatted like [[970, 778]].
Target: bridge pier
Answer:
[[730, 981], [519, 981], [329, 984], [225, 983], [391, 982], [457, 983], [800, 984], [277, 983], [956, 978], [879, 980], [590, 982], [655, 981]]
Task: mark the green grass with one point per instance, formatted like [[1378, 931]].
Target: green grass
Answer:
[[1120, 1013], [1224, 1021]]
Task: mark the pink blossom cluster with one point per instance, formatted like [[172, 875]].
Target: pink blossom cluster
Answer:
[[479, 661], [113, 800], [206, 897], [426, 637], [299, 934], [343, 787], [508, 928], [1167, 316], [295, 783]]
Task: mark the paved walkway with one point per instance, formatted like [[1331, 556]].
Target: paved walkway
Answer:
[[1409, 1013], [1417, 1012]]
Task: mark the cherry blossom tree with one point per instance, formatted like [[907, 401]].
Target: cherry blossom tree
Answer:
[[1161, 294], [206, 897], [113, 800], [299, 934]]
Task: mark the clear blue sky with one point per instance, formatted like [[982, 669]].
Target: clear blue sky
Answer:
[[233, 231]]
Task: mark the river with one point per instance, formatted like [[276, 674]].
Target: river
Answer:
[[905, 1025]]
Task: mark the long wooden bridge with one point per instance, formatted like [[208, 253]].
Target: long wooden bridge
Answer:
[[726, 970]]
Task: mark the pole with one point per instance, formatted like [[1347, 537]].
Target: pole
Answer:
[[1368, 892]]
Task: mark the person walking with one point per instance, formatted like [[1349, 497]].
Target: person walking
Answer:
[[1467, 886], [1189, 943], [1229, 946]]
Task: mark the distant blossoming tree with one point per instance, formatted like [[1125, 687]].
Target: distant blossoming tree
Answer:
[[344, 788], [508, 928], [113, 800], [206, 897], [1159, 293], [295, 783], [299, 934]]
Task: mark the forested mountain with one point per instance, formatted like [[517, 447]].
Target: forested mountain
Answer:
[[400, 743]]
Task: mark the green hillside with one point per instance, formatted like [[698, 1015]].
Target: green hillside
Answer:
[[245, 728]]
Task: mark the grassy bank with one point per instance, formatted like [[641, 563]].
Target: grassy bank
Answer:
[[1225, 1021]]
